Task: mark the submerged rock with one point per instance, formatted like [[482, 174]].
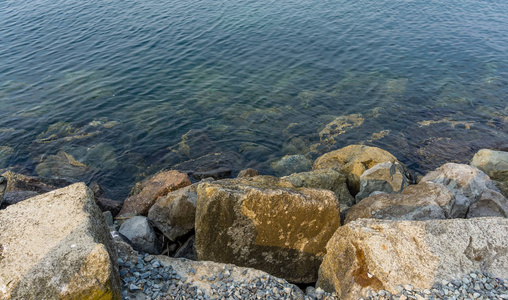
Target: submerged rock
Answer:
[[353, 160], [146, 193], [292, 164], [61, 165], [380, 255], [339, 126], [215, 165], [265, 223], [57, 246]]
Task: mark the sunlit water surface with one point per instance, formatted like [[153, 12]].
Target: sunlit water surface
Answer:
[[127, 88]]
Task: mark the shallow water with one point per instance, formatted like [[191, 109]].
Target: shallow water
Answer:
[[129, 88]]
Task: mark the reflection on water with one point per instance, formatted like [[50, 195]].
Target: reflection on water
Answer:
[[114, 91]]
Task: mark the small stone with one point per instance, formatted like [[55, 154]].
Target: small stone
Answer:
[[408, 287]]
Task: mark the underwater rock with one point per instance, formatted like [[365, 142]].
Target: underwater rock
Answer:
[[215, 165], [5, 154], [291, 164], [61, 165], [339, 126]]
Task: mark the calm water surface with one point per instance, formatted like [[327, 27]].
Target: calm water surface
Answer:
[[126, 88]]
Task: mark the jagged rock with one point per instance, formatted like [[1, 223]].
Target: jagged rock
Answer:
[[465, 182], [292, 164], [490, 204], [353, 160], [381, 254], [57, 246], [424, 201], [266, 223], [247, 173], [188, 249], [385, 177], [141, 234], [147, 192], [493, 163], [327, 179], [174, 213]]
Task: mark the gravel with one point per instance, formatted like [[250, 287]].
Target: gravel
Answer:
[[476, 285], [148, 276]]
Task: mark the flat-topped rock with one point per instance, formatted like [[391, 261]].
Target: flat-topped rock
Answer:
[[57, 246], [265, 223]]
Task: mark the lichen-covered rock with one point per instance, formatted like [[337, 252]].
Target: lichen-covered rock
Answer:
[[140, 233], [174, 213], [147, 192], [327, 179], [490, 204], [388, 177], [381, 254], [267, 224], [492, 163], [424, 201], [291, 164], [465, 182], [57, 246], [353, 160]]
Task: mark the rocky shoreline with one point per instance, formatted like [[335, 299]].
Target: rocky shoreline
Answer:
[[360, 225]]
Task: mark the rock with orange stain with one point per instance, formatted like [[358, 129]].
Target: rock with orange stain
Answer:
[[147, 192]]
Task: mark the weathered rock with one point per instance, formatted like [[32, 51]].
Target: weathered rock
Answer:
[[174, 213], [327, 179], [188, 249], [424, 201], [57, 246], [140, 233], [465, 182], [381, 254], [147, 192], [61, 165], [265, 223], [385, 177], [353, 160], [493, 163], [3, 188], [247, 173], [490, 204], [291, 164]]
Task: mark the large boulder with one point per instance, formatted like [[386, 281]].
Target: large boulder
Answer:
[[265, 223], [141, 234], [57, 246], [493, 163], [146, 193], [388, 177], [353, 160], [373, 254], [328, 179], [465, 182], [174, 213], [424, 201]]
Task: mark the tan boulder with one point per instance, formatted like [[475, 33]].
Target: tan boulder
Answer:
[[57, 246], [328, 179], [493, 163], [373, 254], [174, 213], [353, 160], [465, 182], [147, 192], [267, 224], [424, 201]]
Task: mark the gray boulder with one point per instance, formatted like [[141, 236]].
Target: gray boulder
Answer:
[[465, 182], [490, 204], [141, 234], [388, 177], [57, 246]]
